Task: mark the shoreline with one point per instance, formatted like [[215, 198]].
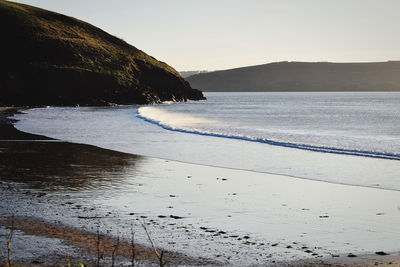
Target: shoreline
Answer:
[[72, 236], [343, 260], [141, 138]]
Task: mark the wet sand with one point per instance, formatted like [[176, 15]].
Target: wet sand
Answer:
[[34, 170], [40, 162], [8, 131]]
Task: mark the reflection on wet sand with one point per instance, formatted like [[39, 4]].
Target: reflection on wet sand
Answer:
[[59, 165], [47, 164]]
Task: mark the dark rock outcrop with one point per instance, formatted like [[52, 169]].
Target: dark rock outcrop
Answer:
[[51, 59]]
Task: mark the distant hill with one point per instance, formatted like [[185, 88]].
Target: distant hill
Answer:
[[188, 73], [51, 59], [303, 76]]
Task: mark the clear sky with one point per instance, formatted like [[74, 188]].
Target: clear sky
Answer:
[[222, 34]]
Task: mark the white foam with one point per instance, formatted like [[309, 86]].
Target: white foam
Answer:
[[173, 119]]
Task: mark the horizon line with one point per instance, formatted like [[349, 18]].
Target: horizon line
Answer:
[[296, 61]]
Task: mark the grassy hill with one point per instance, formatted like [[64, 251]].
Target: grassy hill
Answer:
[[52, 59], [303, 76]]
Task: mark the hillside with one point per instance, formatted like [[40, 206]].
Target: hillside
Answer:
[[188, 73], [302, 76], [52, 59]]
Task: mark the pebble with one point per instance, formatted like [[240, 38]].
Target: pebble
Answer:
[[381, 253]]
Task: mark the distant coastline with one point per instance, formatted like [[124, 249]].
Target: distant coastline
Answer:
[[302, 77]]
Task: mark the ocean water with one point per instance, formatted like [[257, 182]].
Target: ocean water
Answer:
[[346, 138], [315, 170], [366, 124]]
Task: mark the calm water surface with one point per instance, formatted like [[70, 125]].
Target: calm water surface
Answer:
[[230, 130]]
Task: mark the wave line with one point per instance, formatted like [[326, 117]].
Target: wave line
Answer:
[[323, 149]]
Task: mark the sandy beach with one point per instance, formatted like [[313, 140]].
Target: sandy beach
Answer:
[[199, 133], [70, 244], [199, 215]]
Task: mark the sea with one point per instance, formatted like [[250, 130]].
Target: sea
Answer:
[[348, 138], [241, 177]]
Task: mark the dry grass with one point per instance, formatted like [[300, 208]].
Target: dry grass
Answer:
[[97, 246], [94, 242]]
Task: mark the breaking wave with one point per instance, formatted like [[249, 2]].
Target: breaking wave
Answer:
[[184, 123]]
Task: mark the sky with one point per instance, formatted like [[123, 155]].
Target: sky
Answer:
[[223, 34]]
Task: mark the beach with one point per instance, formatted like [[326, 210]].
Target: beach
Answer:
[[198, 133], [199, 215], [35, 164]]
